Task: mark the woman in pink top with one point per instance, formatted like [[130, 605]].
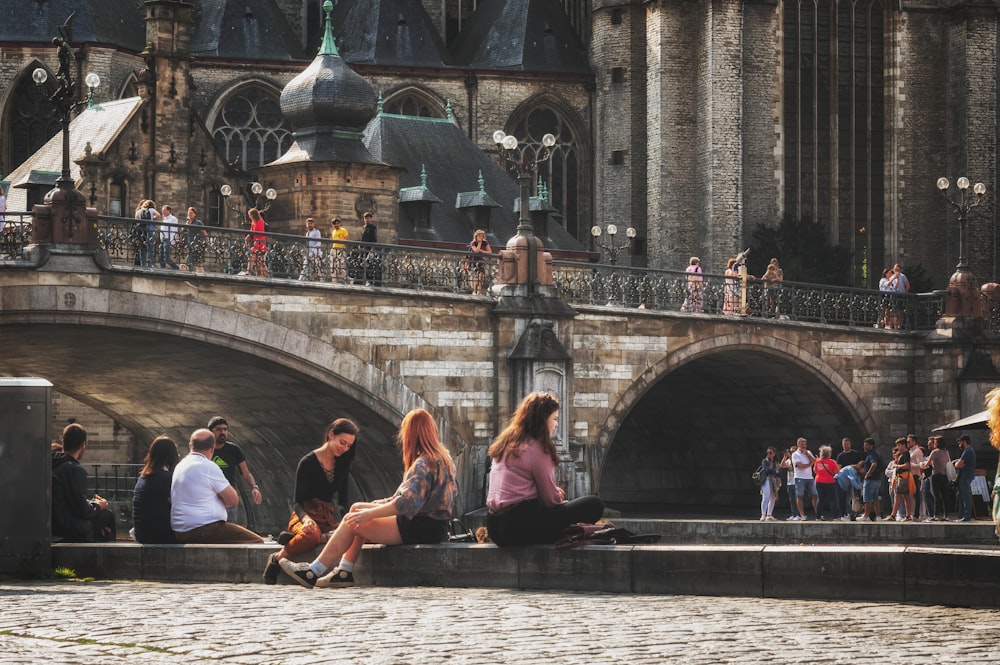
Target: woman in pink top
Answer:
[[526, 506]]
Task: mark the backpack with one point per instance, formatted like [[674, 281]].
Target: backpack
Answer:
[[578, 535]]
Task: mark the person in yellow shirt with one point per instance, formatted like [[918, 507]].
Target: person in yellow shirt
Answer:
[[338, 268]]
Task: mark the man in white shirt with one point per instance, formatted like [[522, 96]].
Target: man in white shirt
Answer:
[[199, 496], [805, 485], [167, 234], [314, 252]]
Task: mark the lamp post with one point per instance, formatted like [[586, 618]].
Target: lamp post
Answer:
[[270, 194], [963, 287], [64, 217], [611, 248], [517, 158]]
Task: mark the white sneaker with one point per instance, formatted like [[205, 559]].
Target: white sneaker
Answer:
[[793, 518], [845, 518], [898, 518]]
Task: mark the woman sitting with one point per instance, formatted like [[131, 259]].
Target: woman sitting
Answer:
[[526, 506], [151, 499], [320, 475], [419, 511]]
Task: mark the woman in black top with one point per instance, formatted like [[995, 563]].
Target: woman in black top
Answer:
[[321, 475], [151, 499]]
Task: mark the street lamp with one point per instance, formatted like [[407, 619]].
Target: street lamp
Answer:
[[517, 159], [963, 298], [962, 203], [270, 194], [611, 248]]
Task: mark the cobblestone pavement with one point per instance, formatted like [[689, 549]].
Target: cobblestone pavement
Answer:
[[117, 622]]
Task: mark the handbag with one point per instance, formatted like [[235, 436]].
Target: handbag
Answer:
[[951, 472], [856, 504], [458, 533], [902, 482], [758, 475]]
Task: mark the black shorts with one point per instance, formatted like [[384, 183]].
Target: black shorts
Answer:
[[422, 530]]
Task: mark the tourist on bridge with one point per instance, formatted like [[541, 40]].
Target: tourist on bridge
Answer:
[[76, 519], [258, 244], [695, 283], [475, 264], [200, 495], [195, 237], [526, 506], [151, 498], [313, 260], [418, 513], [771, 483], [167, 234], [144, 234], [338, 266], [320, 477]]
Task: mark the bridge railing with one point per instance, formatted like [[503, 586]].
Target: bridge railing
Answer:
[[675, 290], [290, 257], [15, 235]]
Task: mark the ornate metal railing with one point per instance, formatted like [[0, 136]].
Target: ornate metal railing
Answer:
[[674, 290], [114, 481], [273, 256], [15, 235], [209, 249]]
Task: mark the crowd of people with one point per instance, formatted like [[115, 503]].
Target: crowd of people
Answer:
[[193, 499], [921, 481]]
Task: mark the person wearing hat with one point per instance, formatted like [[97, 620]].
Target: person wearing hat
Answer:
[[230, 458], [966, 465]]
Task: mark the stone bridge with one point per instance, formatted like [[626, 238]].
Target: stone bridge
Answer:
[[665, 411]]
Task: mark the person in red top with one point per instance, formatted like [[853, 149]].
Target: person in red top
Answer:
[[826, 484], [526, 506], [258, 246]]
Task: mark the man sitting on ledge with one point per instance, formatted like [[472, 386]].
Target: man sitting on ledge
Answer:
[[199, 496], [74, 518]]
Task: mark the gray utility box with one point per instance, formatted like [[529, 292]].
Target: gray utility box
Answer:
[[25, 474]]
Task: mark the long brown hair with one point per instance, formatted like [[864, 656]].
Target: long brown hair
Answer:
[[530, 421], [418, 437], [162, 454], [993, 419]]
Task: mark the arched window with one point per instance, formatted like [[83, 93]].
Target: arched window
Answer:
[[250, 128], [31, 121], [413, 104], [562, 174]]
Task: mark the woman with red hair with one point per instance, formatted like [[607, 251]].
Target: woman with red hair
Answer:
[[419, 511]]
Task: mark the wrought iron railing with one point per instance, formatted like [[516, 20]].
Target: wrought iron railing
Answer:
[[114, 482], [705, 293], [280, 256], [275, 256]]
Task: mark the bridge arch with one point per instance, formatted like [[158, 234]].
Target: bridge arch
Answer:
[[688, 434], [165, 364]]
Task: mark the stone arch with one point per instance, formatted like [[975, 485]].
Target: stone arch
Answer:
[[261, 375], [567, 172], [246, 123], [406, 98], [28, 118], [702, 415]]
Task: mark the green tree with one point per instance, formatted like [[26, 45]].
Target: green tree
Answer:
[[802, 249]]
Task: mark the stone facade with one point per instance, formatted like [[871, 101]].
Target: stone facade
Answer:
[[682, 132]]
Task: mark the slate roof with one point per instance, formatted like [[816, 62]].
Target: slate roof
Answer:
[[521, 35], [388, 32], [99, 126], [119, 22], [244, 30], [453, 162]]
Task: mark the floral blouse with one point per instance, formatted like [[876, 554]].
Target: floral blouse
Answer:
[[428, 489]]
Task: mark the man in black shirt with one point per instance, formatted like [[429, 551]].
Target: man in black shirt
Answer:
[[74, 518], [231, 459]]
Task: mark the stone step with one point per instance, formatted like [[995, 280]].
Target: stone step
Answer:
[[959, 576]]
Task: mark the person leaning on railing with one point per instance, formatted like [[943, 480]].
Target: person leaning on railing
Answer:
[[195, 236]]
